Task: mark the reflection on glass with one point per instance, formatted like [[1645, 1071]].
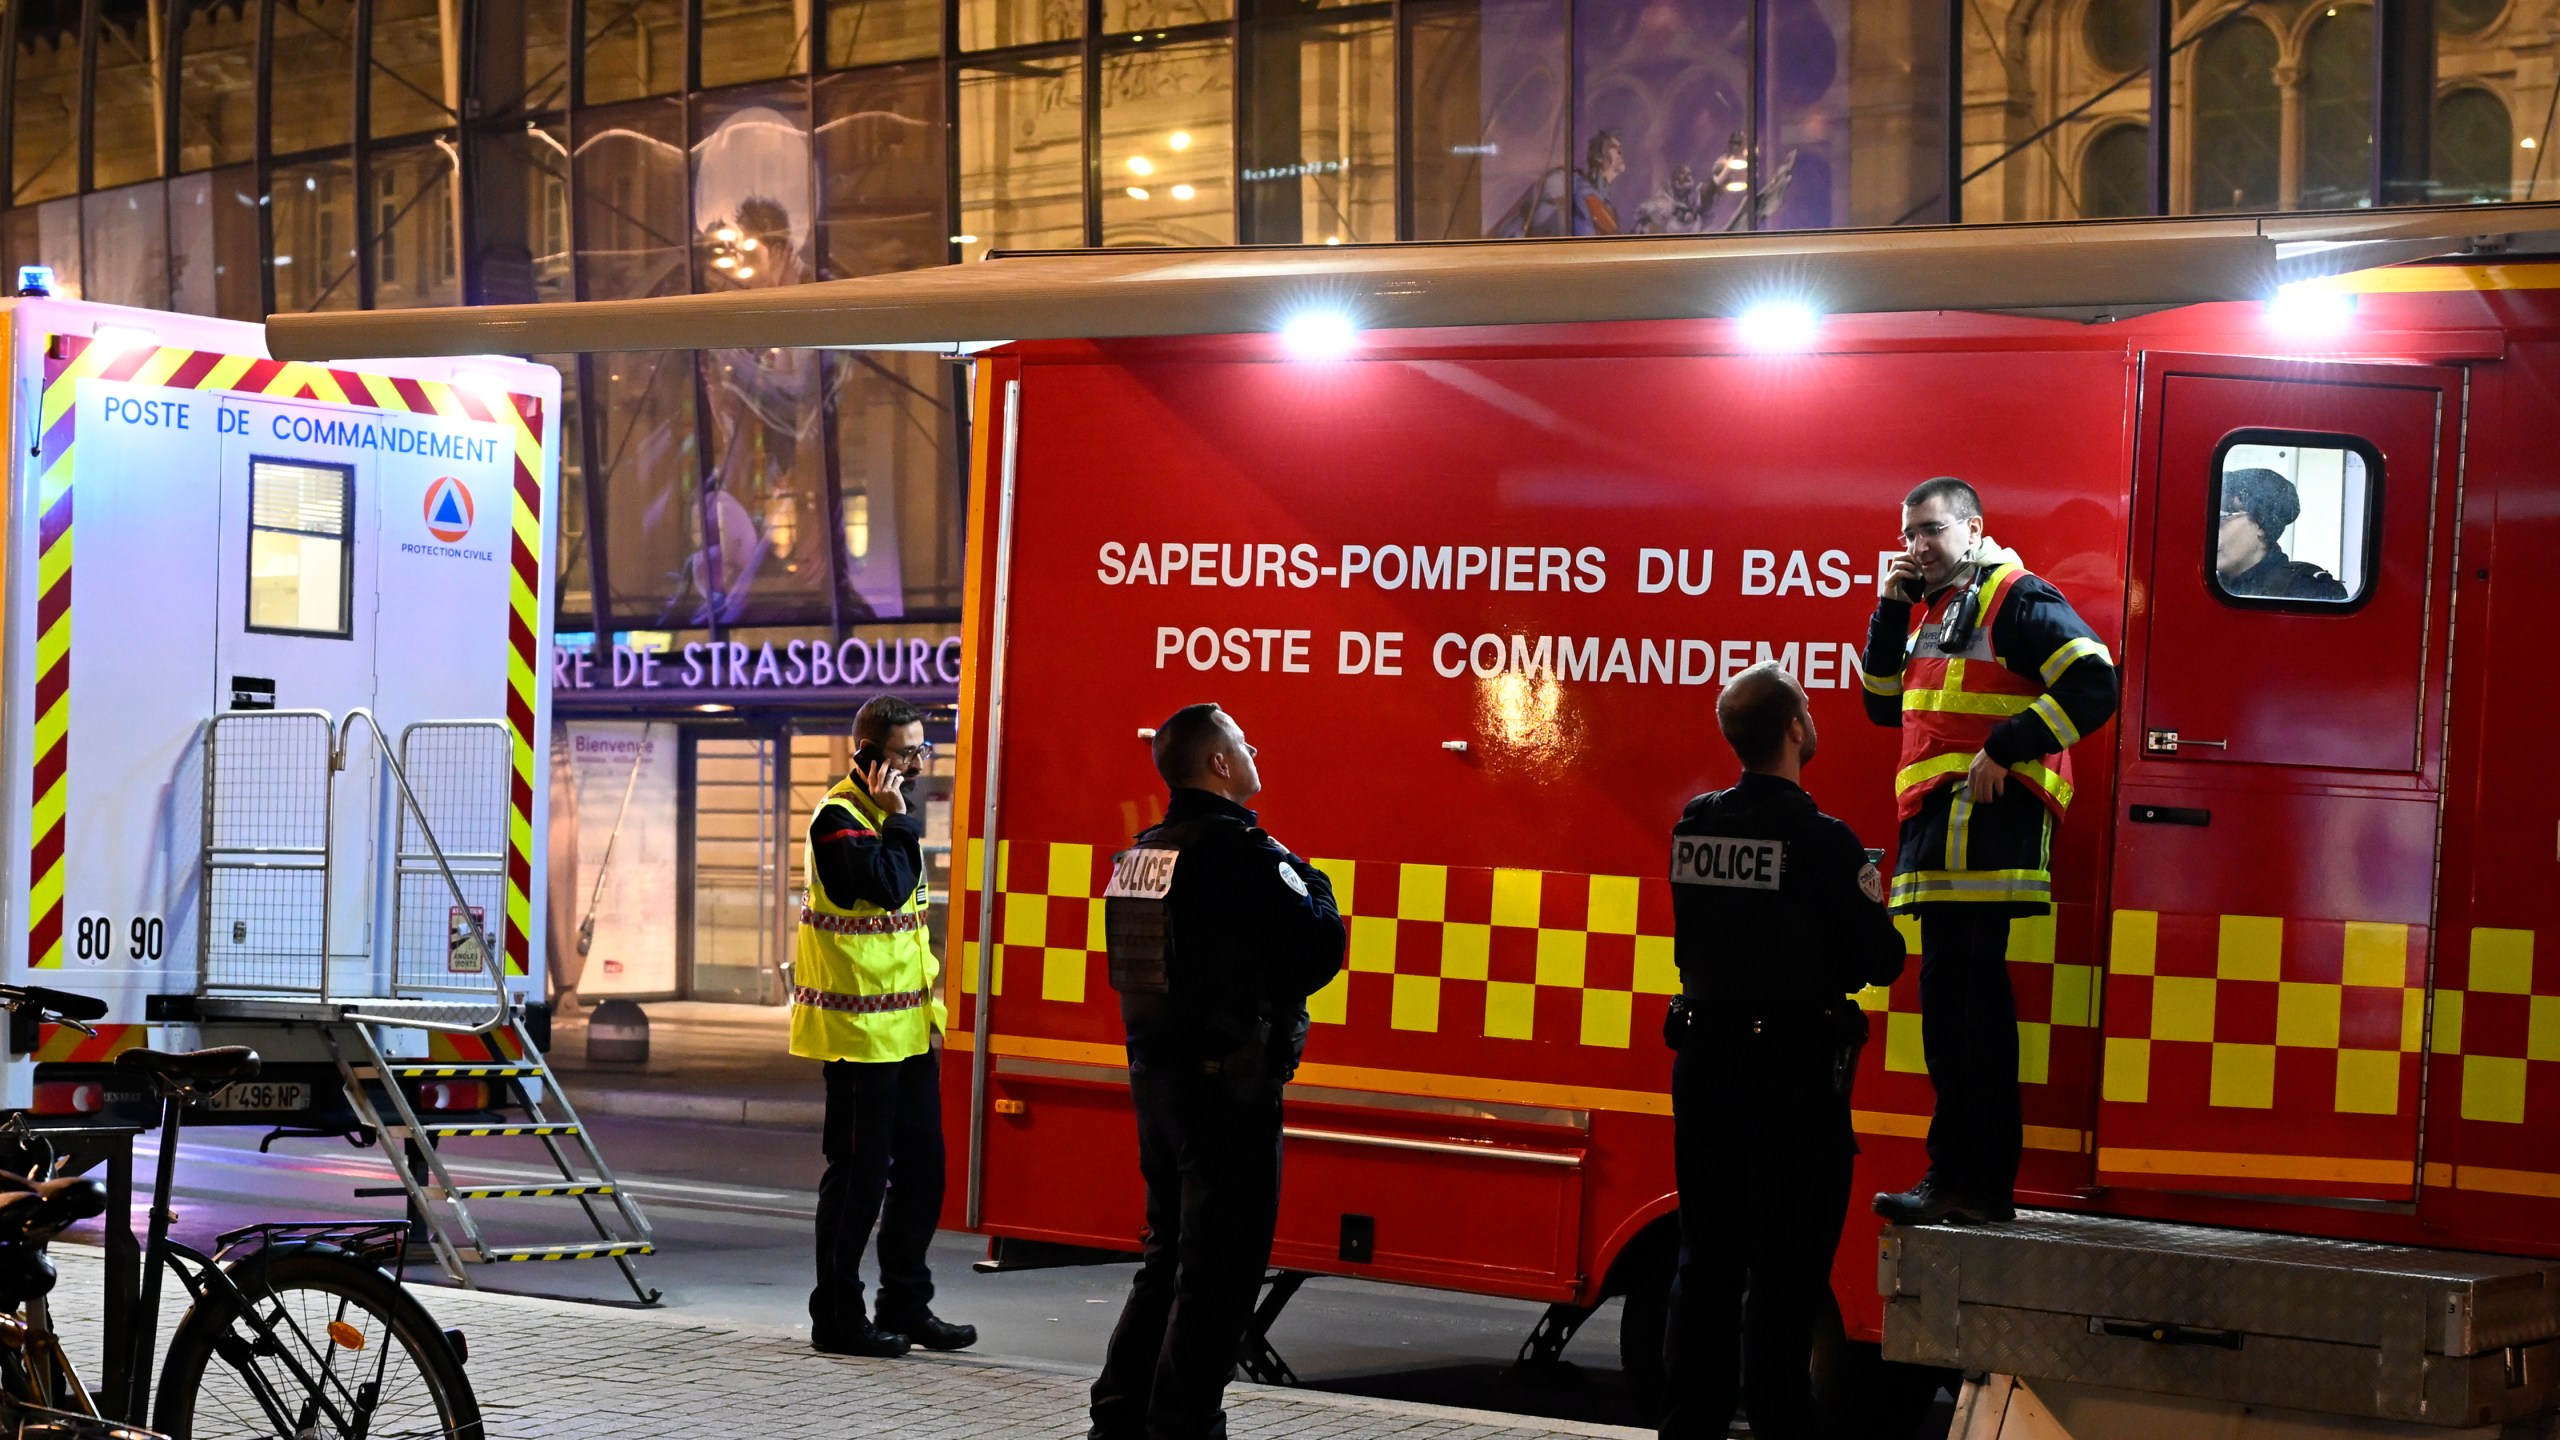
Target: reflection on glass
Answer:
[[900, 516], [191, 245], [1167, 140], [217, 86], [546, 177], [881, 160], [125, 120], [2292, 523], [632, 225], [745, 40], [1853, 127], [313, 94], [412, 195], [127, 235], [546, 55], [1662, 98], [2475, 146], [643, 465], [1489, 121], [576, 598], [2236, 118], [47, 234], [44, 139], [765, 556], [2054, 139], [2115, 173], [239, 251], [1121, 17], [634, 48], [412, 90], [312, 208], [1022, 156], [2337, 112], [874, 32], [1003, 24], [1320, 159]]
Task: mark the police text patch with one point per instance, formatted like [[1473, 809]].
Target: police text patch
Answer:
[[1141, 874], [1723, 860]]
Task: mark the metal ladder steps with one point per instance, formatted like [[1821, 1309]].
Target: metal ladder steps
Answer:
[[523, 1192], [479, 1132], [603, 1250], [483, 1070]]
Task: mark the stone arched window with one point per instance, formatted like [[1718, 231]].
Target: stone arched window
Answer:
[[2115, 173], [2117, 34], [2237, 119], [2337, 110], [2474, 147]]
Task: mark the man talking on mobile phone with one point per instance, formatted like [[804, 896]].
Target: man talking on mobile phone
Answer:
[[865, 999], [1998, 681]]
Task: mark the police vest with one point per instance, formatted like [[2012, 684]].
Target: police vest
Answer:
[[864, 980], [1953, 698], [1137, 911]]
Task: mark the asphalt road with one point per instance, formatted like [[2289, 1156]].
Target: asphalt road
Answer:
[[730, 1206]]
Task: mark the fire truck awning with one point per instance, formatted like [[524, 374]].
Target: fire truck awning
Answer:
[[1096, 294]]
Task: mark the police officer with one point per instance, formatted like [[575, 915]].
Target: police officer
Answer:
[[866, 1000], [1778, 916], [1217, 936]]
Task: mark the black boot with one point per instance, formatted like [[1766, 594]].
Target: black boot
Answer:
[[1932, 1203], [934, 1333], [857, 1336]]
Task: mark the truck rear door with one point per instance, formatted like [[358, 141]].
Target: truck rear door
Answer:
[[2274, 857]]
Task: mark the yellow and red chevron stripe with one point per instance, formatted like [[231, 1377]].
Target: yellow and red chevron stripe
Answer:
[[60, 1044], [72, 359]]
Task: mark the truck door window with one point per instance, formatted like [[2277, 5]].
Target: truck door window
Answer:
[[300, 576], [2295, 520]]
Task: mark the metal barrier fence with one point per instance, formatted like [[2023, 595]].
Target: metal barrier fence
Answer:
[[265, 913], [458, 771]]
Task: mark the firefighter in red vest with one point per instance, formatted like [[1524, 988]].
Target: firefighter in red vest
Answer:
[[1992, 688]]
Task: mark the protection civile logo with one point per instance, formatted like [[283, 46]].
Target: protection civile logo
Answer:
[[448, 509]]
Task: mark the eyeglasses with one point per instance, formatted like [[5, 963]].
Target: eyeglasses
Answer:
[[913, 753], [1925, 530], [2230, 515]]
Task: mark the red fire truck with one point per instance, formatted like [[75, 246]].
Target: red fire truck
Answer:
[[1472, 589]]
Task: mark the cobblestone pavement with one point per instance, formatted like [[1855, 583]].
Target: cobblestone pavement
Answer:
[[559, 1370]]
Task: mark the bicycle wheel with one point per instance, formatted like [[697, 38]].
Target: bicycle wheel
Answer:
[[333, 1348]]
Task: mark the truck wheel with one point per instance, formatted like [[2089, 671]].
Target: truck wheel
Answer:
[[1863, 1396], [1646, 1270]]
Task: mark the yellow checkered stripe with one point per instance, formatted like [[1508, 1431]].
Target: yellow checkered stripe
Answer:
[[2498, 979], [2071, 991], [1379, 900], [2310, 1016]]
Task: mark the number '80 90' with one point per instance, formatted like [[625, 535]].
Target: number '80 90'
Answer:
[[93, 938]]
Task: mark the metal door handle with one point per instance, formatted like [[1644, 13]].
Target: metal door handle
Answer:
[[2169, 742], [2171, 815]]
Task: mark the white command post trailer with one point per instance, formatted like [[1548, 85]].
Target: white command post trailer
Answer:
[[274, 748]]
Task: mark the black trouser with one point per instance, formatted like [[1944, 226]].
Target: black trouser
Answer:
[[1969, 1036], [1763, 1156], [1212, 1167], [883, 1139]]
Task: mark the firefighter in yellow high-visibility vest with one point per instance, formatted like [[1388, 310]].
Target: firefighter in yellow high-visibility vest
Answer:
[[1991, 687], [865, 999]]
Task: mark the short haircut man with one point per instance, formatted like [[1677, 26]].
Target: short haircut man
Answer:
[[1963, 501], [1186, 740], [882, 714], [1755, 711]]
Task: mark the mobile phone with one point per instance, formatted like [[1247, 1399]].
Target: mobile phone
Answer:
[[867, 755]]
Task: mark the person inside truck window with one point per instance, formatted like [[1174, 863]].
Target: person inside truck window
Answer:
[[2258, 507]]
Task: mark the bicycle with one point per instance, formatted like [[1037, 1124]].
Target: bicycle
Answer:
[[292, 1332]]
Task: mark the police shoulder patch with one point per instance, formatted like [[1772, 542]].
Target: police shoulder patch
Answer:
[[1289, 877], [1871, 883], [1141, 874]]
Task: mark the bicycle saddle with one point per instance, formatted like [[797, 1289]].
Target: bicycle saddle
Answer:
[[173, 1073], [48, 1207]]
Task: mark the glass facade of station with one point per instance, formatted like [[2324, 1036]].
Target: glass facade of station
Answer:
[[239, 157]]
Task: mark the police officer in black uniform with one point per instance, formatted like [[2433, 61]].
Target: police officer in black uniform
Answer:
[[1217, 936], [1778, 916]]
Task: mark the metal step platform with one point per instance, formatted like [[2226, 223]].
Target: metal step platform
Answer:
[[412, 959], [2437, 1337]]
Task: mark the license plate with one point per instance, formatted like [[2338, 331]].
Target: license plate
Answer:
[[261, 1095]]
